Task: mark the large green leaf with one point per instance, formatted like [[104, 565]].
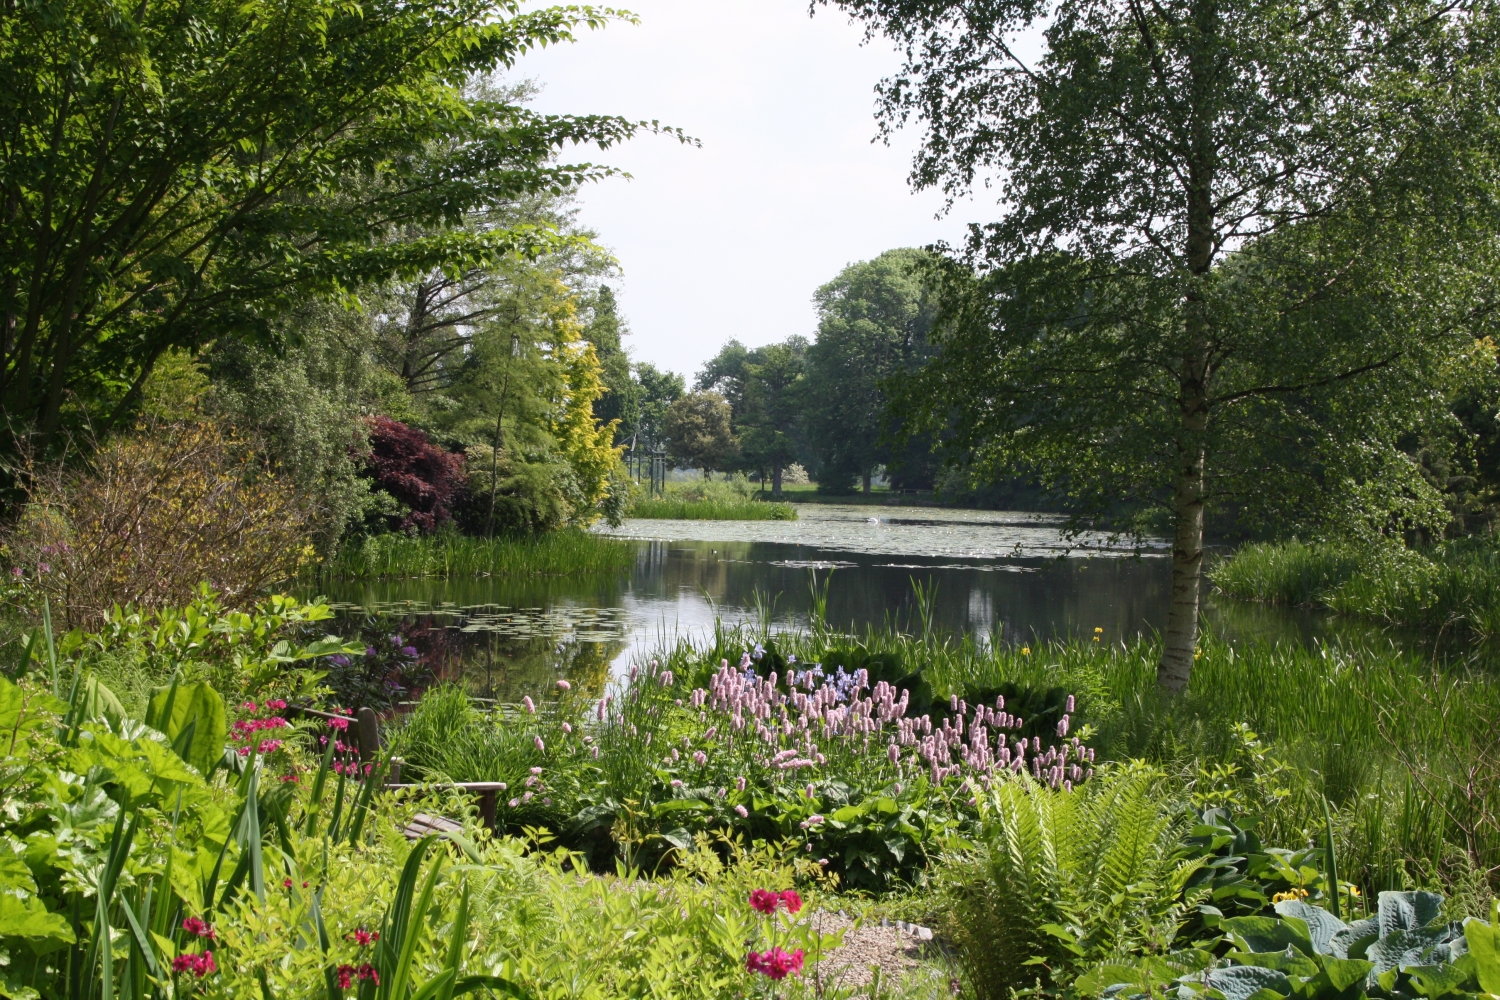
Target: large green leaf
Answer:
[[197, 705], [1408, 911], [29, 919], [1241, 982], [1322, 927], [99, 702], [1268, 933], [1427, 946], [1484, 945], [21, 713]]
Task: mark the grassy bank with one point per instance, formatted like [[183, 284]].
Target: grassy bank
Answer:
[[561, 553], [1453, 585]]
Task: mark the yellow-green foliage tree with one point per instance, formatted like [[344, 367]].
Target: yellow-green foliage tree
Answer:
[[523, 404]]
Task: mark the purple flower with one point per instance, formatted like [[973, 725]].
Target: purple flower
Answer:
[[339, 660], [410, 651], [369, 650]]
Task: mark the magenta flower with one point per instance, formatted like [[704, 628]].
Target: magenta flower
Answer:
[[776, 963], [764, 901], [199, 965], [791, 900]]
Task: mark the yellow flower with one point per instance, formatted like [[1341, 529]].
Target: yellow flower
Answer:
[[1354, 890], [1025, 650], [1097, 629]]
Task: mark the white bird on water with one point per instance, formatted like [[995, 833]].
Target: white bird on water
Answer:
[[872, 520]]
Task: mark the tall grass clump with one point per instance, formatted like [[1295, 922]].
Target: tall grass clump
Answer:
[[559, 553], [1453, 584]]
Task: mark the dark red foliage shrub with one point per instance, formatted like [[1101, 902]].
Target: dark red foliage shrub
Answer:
[[423, 477]]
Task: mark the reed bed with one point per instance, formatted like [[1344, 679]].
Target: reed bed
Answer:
[[561, 553], [713, 510], [1452, 585]]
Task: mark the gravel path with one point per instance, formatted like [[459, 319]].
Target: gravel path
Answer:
[[896, 951]]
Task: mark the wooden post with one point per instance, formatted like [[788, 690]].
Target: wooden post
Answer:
[[369, 735]]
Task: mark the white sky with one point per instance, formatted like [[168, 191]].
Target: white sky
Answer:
[[730, 240]]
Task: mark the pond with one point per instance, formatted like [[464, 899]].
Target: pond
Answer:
[[995, 576]]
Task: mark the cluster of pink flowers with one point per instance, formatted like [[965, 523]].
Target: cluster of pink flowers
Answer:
[[774, 963], [245, 730], [364, 938], [765, 901], [199, 964], [978, 740]]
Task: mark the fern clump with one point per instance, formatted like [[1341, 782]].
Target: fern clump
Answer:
[[1059, 881]]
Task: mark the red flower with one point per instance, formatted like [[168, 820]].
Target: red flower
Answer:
[[196, 927], [774, 964], [791, 900], [367, 971], [346, 976], [199, 965], [365, 938], [764, 900]]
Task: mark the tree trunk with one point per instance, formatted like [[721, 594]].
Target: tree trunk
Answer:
[[1176, 666], [776, 480], [867, 481], [1187, 555]]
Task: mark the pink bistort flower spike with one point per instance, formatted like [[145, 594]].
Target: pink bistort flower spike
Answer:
[[529, 704]]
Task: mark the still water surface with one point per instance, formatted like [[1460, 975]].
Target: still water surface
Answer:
[[995, 576]]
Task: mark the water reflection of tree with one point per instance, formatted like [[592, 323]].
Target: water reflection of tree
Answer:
[[490, 664]]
